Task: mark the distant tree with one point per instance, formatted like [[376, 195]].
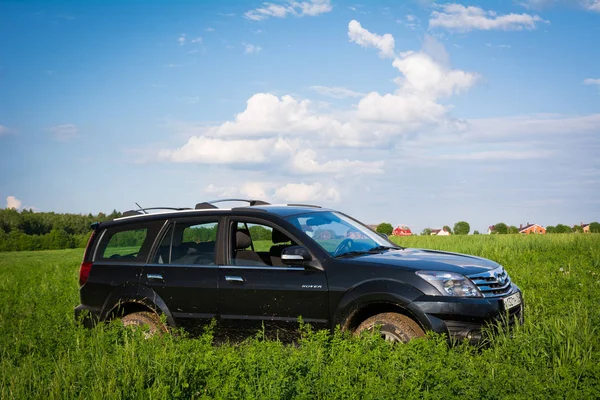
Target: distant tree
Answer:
[[385, 228], [575, 229], [446, 228], [475, 232], [550, 229], [560, 228], [257, 232], [462, 228], [501, 228], [595, 227], [426, 232], [513, 229]]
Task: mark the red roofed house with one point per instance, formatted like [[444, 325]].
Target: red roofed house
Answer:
[[402, 230], [532, 228]]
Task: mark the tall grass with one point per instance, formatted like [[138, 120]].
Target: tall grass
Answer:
[[555, 354]]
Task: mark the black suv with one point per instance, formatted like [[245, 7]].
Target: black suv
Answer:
[[263, 264]]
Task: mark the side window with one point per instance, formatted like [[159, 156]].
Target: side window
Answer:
[[125, 244], [257, 244], [191, 243], [129, 243]]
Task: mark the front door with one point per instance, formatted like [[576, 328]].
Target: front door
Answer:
[[257, 291]]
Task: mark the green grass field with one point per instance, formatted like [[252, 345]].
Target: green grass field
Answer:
[[556, 354]]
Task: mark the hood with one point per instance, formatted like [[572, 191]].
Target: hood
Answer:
[[433, 260]]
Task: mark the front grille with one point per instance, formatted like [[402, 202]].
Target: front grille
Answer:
[[494, 283]]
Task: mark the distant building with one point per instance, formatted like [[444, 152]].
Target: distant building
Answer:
[[401, 230], [532, 228], [585, 227], [491, 229], [440, 232]]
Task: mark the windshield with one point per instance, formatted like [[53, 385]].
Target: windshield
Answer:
[[338, 234]]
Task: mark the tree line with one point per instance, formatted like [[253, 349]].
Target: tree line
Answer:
[[463, 228], [28, 230]]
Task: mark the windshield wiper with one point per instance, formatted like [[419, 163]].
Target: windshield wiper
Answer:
[[374, 250], [352, 254], [377, 249]]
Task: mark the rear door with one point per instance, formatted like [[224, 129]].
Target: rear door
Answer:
[[252, 292], [184, 269], [118, 258]]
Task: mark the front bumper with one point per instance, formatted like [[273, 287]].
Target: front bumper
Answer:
[[466, 318]]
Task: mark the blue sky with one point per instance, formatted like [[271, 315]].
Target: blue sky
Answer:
[[415, 112]]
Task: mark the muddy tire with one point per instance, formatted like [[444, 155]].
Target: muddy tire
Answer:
[[393, 327], [146, 320]]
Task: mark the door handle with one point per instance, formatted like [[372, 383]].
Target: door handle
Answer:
[[234, 279], [155, 277]]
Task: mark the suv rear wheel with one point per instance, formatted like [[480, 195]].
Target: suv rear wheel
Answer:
[[147, 320], [393, 327]]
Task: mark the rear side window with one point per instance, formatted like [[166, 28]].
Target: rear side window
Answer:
[[130, 243], [125, 244], [189, 243]]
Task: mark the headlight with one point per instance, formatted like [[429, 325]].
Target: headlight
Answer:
[[450, 283]]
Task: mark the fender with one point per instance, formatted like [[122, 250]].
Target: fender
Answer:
[[136, 293], [386, 291]]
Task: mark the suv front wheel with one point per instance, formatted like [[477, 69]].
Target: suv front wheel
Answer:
[[393, 327]]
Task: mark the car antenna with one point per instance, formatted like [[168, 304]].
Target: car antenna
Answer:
[[144, 211]]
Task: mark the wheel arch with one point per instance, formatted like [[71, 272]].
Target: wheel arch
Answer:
[[128, 299], [379, 296]]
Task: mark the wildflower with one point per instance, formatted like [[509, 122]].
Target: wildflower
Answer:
[[561, 269]]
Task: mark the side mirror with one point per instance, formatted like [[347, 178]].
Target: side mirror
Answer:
[[295, 255], [383, 235]]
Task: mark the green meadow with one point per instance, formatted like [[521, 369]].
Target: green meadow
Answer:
[[555, 354]]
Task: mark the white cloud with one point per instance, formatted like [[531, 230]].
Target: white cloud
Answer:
[[336, 92], [532, 125], [305, 161], [251, 49], [200, 149], [498, 155], [65, 132], [285, 193], [296, 8], [197, 40], [375, 121], [423, 75], [456, 17], [410, 21], [252, 190], [591, 81], [268, 115], [181, 39], [302, 192], [589, 5], [209, 29], [5, 130], [592, 5], [384, 43], [13, 202]]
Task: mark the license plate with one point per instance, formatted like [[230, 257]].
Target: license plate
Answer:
[[512, 301]]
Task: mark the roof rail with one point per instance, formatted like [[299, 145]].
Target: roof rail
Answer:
[[211, 204], [140, 211], [303, 205]]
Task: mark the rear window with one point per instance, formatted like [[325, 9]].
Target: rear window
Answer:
[[130, 243]]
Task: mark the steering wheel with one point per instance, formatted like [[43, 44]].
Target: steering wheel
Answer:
[[344, 244]]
